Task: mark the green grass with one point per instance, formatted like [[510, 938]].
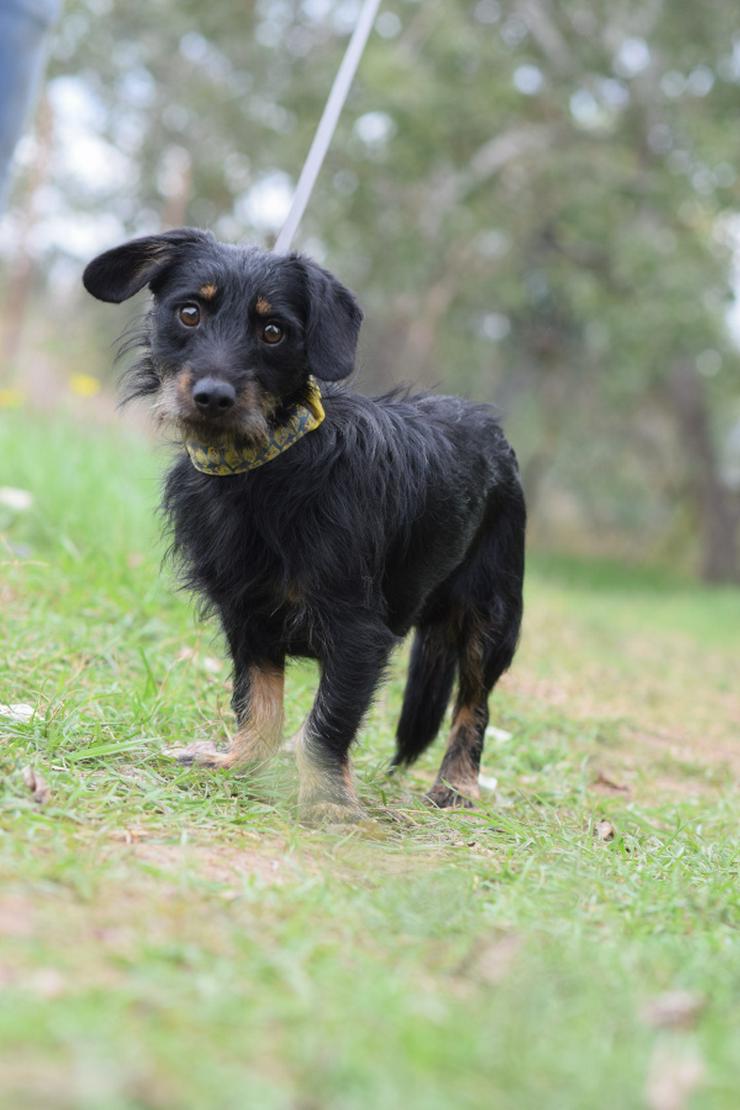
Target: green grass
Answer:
[[172, 938]]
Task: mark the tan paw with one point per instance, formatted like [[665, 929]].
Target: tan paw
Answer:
[[203, 753]]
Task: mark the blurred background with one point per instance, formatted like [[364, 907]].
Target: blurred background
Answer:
[[537, 203]]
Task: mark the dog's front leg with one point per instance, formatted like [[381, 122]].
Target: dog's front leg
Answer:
[[258, 703], [350, 673]]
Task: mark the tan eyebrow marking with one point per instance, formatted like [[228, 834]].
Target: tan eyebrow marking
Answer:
[[263, 306], [208, 292]]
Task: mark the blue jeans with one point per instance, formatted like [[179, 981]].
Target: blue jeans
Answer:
[[23, 29]]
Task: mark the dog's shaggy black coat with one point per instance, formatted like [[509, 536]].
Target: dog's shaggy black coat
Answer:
[[398, 512]]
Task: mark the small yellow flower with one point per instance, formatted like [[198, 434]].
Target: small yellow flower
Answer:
[[11, 398], [84, 385]]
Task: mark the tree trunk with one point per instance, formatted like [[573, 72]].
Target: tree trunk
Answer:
[[715, 509]]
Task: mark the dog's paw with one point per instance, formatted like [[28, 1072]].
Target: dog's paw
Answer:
[[201, 754], [443, 796], [331, 813]]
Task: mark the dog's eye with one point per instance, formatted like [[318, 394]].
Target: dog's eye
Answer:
[[272, 333], [189, 314]]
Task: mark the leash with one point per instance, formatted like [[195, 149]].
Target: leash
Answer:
[[229, 458], [327, 124]]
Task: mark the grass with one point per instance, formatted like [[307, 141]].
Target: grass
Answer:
[[172, 938]]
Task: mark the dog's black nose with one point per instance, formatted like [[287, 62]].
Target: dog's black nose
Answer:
[[212, 395]]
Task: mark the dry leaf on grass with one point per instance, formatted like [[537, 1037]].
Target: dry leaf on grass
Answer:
[[672, 1078], [496, 959], [674, 1010], [604, 830], [499, 734], [17, 712], [207, 663], [129, 836], [490, 961], [19, 499], [609, 785], [46, 982], [36, 783]]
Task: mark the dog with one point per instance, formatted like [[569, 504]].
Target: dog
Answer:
[[320, 523]]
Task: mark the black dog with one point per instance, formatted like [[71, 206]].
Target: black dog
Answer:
[[323, 538]]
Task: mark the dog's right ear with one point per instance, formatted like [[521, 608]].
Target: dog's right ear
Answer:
[[119, 273]]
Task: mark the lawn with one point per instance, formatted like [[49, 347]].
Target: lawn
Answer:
[[173, 938]]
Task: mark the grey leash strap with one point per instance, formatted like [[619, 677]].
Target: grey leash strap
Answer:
[[327, 123]]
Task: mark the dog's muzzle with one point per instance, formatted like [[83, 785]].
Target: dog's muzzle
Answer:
[[213, 396]]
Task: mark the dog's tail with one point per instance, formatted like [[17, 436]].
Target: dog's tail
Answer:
[[428, 688]]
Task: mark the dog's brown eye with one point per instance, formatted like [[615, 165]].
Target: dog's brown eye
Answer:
[[189, 315], [272, 333]]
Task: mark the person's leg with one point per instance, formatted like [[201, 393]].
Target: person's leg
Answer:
[[23, 29]]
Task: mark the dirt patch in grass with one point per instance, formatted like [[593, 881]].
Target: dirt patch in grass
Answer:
[[686, 756], [674, 732], [16, 915], [224, 864]]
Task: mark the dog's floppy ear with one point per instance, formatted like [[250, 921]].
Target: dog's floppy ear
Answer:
[[119, 273], [332, 324]]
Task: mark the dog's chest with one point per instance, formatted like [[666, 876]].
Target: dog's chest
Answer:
[[244, 553]]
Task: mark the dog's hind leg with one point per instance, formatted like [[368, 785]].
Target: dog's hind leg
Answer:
[[350, 673], [457, 779], [487, 639], [485, 654]]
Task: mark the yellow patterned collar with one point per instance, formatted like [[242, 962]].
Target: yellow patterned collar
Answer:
[[234, 458]]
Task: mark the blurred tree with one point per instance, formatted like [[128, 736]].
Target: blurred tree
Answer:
[[535, 200]]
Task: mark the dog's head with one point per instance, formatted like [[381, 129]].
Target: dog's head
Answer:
[[233, 333]]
